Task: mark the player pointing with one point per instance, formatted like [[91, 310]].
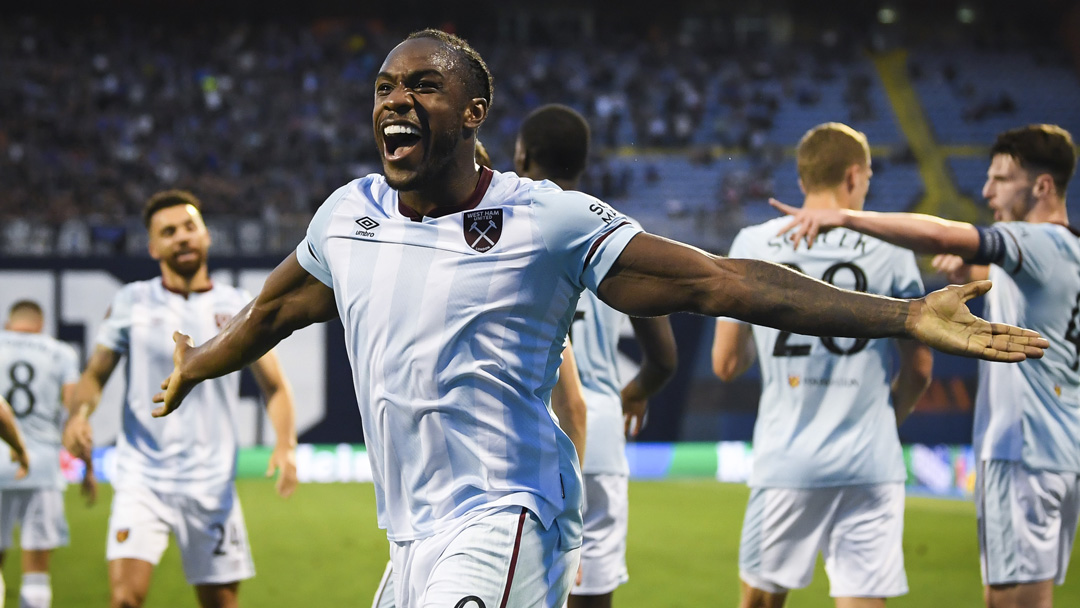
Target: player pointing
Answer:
[[1027, 416], [454, 348]]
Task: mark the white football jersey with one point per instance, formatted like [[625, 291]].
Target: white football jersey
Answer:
[[825, 416], [1030, 411], [594, 336], [33, 371], [192, 450], [454, 326]]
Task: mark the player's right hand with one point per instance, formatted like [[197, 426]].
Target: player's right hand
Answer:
[[175, 387], [88, 487], [78, 436]]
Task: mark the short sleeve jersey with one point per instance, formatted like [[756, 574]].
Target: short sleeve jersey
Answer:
[[595, 335], [33, 371], [454, 326], [193, 450], [1030, 411], [825, 417]]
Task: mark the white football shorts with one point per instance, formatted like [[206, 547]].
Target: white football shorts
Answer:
[[499, 558], [209, 531], [1027, 522], [39, 512], [858, 529], [603, 548]]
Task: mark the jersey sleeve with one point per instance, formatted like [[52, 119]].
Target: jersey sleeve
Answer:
[[1025, 248], [584, 233], [115, 331], [310, 250], [907, 280]]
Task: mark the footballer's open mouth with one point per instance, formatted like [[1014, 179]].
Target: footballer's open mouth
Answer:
[[400, 140]]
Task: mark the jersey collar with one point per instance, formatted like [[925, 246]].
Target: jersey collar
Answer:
[[470, 203]]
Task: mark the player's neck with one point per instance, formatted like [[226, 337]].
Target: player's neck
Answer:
[[26, 328], [185, 286], [827, 199], [456, 188], [1048, 212]]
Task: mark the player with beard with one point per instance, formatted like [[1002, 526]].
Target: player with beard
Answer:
[[456, 286], [1027, 416], [177, 475]]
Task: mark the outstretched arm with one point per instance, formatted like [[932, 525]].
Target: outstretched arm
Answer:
[[290, 299], [659, 359], [915, 231], [655, 276], [282, 412]]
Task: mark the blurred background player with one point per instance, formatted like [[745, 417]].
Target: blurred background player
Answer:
[[553, 144], [1027, 416], [37, 372], [177, 475], [828, 473]]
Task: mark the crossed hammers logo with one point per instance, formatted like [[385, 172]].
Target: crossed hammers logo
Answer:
[[483, 233]]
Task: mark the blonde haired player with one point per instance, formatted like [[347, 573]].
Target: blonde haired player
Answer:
[[828, 473]]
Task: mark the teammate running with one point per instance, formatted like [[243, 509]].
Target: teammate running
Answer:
[[177, 475]]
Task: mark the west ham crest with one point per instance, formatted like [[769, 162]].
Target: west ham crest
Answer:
[[483, 227]]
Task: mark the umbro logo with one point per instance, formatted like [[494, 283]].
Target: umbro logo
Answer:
[[367, 223], [366, 226]]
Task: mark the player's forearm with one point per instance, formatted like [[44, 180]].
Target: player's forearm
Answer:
[[917, 232], [9, 430], [568, 403], [281, 410], [768, 294], [245, 338], [659, 356], [912, 379]]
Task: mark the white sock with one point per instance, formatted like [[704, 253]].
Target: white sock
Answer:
[[3, 589], [36, 592]]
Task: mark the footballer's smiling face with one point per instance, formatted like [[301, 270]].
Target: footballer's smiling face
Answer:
[[422, 113], [179, 239]]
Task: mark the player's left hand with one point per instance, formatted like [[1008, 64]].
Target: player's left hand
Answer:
[[20, 457], [807, 223], [175, 387], [942, 320], [283, 460], [635, 407]]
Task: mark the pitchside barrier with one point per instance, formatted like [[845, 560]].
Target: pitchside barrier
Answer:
[[933, 470]]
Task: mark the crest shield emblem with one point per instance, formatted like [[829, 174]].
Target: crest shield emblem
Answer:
[[482, 228]]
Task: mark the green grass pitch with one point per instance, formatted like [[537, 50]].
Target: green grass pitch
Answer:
[[322, 548]]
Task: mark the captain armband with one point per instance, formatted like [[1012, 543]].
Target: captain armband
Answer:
[[991, 246]]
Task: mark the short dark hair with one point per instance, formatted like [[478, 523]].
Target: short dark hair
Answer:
[[556, 137], [24, 306], [166, 199], [1040, 149], [480, 81], [825, 153]]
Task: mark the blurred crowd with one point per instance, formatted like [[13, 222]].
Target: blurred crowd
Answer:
[[264, 120]]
